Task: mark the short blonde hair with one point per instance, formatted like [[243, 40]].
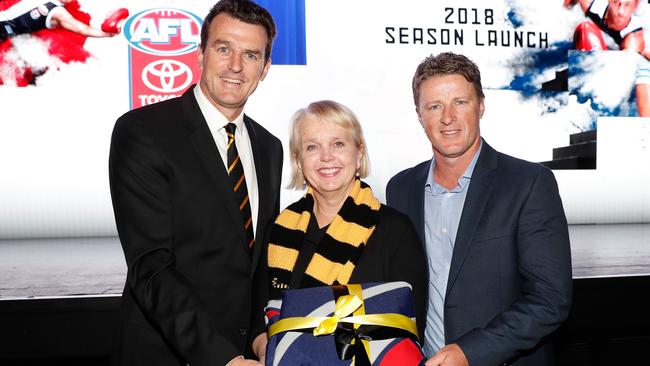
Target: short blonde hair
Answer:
[[330, 112]]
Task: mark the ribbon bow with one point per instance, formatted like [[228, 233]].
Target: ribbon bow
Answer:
[[345, 305]]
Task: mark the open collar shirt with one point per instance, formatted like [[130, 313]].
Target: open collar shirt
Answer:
[[442, 211]]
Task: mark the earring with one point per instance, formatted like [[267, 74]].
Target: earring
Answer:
[[357, 173]]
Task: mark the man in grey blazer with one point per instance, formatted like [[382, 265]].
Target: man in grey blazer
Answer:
[[494, 229], [191, 216]]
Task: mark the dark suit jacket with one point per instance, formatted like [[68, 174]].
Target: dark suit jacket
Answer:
[[190, 294], [510, 277]]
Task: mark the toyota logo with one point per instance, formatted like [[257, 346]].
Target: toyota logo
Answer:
[[167, 76]]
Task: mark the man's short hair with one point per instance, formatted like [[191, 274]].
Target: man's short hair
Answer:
[[446, 63], [246, 11]]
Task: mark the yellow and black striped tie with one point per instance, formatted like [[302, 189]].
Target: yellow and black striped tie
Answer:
[[238, 180]]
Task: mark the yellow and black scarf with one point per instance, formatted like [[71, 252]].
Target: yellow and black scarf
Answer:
[[339, 249]]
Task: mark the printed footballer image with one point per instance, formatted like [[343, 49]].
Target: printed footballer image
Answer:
[[596, 64], [37, 36], [611, 25], [577, 61]]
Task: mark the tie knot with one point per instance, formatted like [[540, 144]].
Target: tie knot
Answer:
[[230, 129]]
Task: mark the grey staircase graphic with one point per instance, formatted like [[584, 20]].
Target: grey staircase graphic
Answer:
[[579, 154]]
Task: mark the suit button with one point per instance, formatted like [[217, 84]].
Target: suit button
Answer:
[[243, 332]]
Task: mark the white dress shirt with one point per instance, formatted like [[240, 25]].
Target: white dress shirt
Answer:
[[217, 122]]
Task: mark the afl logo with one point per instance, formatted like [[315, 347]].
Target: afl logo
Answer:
[[164, 31]]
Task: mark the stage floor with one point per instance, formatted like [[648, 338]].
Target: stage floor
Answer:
[[42, 268]]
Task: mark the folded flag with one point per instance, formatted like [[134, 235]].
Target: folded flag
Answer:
[[367, 324]]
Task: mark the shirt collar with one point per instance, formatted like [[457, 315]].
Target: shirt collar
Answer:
[[215, 119], [463, 181]]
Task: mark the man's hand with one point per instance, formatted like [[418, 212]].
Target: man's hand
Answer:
[[450, 355], [259, 347], [240, 361]]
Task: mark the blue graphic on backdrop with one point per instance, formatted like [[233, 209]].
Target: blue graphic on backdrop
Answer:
[[289, 47], [514, 18], [537, 63], [605, 80], [600, 82]]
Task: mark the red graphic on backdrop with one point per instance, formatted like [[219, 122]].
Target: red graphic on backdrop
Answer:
[[19, 67], [162, 53]]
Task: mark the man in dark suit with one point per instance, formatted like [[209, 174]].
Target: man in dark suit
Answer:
[[494, 229], [191, 239]]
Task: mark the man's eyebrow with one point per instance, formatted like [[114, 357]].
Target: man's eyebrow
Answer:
[[227, 43], [220, 41]]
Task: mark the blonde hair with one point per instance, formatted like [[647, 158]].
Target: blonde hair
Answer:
[[330, 112]]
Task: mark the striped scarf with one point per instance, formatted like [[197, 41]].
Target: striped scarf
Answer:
[[339, 249]]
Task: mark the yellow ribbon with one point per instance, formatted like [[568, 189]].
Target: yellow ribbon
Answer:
[[345, 305], [356, 290], [327, 325]]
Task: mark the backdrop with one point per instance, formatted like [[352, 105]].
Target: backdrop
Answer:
[[61, 94]]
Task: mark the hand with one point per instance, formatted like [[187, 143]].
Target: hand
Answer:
[[449, 355], [259, 347], [240, 361]]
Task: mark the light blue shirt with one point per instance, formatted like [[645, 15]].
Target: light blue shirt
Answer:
[[442, 211]]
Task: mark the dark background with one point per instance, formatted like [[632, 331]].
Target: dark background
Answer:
[[609, 325]]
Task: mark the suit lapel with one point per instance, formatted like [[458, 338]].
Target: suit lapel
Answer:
[[478, 193], [262, 166], [206, 148]]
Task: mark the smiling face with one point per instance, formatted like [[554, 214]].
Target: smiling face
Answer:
[[328, 157], [232, 63], [449, 110]]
